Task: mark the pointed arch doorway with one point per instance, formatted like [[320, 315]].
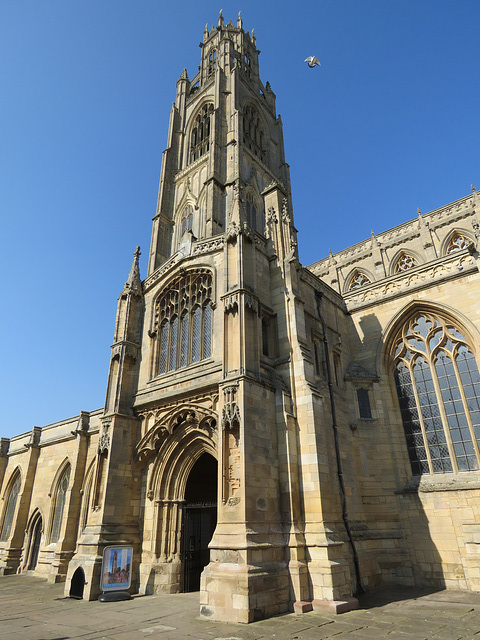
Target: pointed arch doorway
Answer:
[[34, 540], [199, 519]]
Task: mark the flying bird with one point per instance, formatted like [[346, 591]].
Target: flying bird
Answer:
[[312, 61]]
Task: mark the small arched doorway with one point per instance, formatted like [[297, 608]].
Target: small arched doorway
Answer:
[[77, 584], [34, 546], [199, 519]]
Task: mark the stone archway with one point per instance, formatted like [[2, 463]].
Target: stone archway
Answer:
[[173, 450], [199, 520], [35, 531]]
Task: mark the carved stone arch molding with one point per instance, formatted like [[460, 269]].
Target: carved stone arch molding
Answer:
[[177, 426]]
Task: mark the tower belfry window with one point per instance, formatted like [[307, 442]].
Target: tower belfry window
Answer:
[[253, 137], [212, 63], [200, 137], [183, 315]]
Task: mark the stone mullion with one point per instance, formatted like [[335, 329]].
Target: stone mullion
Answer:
[[467, 412]]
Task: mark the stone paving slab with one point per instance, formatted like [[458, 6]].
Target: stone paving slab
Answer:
[[32, 609]]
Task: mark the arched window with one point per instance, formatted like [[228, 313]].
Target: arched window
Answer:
[[183, 315], [10, 510], [252, 133], [359, 279], [187, 219], [251, 211], [438, 387], [212, 63], [59, 505], [405, 262], [200, 137], [458, 241]]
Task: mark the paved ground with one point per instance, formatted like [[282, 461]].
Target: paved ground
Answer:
[[31, 609]]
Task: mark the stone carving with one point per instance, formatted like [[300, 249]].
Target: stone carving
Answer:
[[34, 440], [231, 302], [104, 439], [357, 298], [230, 411], [4, 447], [167, 420], [208, 247]]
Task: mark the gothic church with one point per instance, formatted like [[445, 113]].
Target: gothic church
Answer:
[[274, 436]]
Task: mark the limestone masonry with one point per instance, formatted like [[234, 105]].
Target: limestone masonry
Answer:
[[274, 436]]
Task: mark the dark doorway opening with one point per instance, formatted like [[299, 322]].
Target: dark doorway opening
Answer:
[[199, 520], [77, 584], [35, 543]]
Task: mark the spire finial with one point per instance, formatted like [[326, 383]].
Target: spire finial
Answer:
[[205, 32], [472, 188], [239, 20], [134, 283], [220, 19]]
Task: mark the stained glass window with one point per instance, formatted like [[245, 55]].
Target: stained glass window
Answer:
[[438, 387], [183, 314], [60, 505], [10, 510]]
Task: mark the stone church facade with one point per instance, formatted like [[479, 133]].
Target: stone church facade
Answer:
[[275, 436]]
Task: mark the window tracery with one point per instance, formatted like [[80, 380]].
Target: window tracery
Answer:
[[458, 241], [438, 387], [405, 262], [200, 137], [252, 134], [60, 499], [10, 509], [183, 315], [359, 279]]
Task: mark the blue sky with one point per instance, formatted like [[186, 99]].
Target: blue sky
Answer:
[[387, 124]]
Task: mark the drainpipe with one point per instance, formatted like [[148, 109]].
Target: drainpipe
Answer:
[[359, 586]]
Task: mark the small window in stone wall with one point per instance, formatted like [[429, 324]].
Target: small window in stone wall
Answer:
[[458, 242], [364, 408], [405, 262], [359, 279]]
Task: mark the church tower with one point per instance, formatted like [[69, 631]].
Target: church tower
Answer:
[[223, 357], [213, 435]]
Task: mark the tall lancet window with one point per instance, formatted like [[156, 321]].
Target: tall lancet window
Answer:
[[251, 211], [253, 137], [187, 220], [10, 509], [59, 506], [200, 136], [183, 322], [438, 387]]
